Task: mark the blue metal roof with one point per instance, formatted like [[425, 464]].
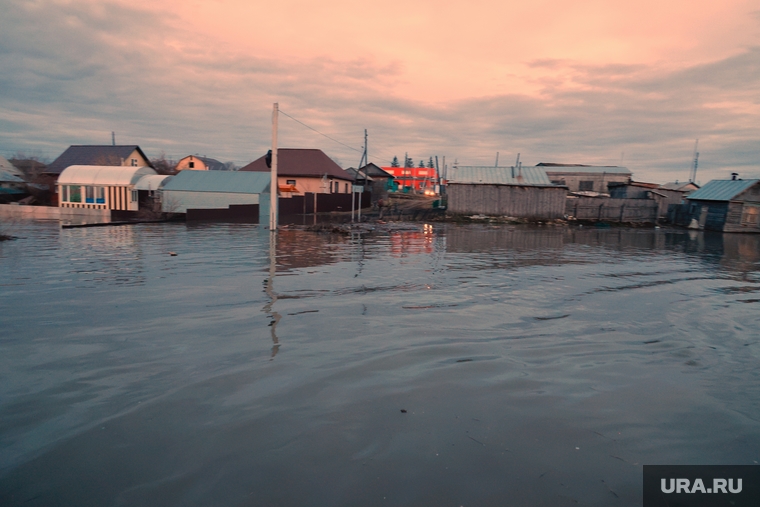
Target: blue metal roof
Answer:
[[8, 177], [488, 175], [233, 182], [721, 190]]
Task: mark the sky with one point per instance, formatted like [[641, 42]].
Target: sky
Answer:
[[588, 82]]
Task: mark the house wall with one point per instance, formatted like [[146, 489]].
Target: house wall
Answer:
[[613, 210], [742, 217], [115, 197], [600, 180], [178, 201], [710, 215], [315, 185], [140, 160], [198, 164], [507, 200]]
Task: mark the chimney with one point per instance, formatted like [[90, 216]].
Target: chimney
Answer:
[[733, 176]]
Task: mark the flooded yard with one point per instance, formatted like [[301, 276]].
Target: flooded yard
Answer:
[[444, 365]]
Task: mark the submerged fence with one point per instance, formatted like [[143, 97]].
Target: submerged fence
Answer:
[[612, 210]]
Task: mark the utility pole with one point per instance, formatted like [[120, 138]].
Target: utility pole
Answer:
[[273, 186], [365, 159]]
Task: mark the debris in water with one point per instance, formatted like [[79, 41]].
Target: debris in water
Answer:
[[403, 411], [463, 360], [173, 254], [553, 318]]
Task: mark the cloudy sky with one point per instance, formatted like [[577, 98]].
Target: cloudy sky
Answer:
[[596, 82]]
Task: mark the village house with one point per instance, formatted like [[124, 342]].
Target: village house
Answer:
[[726, 205], [301, 171], [585, 178], [129, 155], [523, 192], [196, 163], [414, 179], [374, 179]]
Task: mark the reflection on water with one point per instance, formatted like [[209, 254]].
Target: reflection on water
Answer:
[[535, 366]]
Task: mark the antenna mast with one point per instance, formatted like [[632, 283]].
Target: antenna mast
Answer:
[[694, 164]]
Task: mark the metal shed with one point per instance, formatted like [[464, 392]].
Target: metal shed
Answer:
[[523, 192], [217, 190]]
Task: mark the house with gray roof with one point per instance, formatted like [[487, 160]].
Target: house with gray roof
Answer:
[[127, 155], [726, 205]]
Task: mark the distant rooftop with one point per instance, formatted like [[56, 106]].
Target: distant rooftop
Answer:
[[220, 181], [582, 168], [301, 162], [489, 175], [104, 155]]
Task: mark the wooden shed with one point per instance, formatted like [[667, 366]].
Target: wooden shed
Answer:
[[727, 205], [524, 192]]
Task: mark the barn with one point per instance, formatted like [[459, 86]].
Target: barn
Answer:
[[523, 192]]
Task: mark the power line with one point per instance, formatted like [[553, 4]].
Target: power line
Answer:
[[330, 138], [320, 133]]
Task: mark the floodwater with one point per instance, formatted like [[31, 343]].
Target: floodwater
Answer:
[[441, 366]]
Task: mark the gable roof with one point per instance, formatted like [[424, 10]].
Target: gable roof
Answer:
[[355, 174], [301, 162], [93, 155], [8, 177], [6, 166], [233, 182], [721, 190], [683, 186], [489, 175], [582, 168], [375, 171]]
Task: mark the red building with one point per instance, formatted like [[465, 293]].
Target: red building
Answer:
[[418, 178]]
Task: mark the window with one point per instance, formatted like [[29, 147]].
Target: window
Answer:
[[134, 162], [64, 193], [346, 187], [75, 193], [586, 186], [191, 165], [134, 195], [750, 215], [100, 195], [291, 182], [89, 193]]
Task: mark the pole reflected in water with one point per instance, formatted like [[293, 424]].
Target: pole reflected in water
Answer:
[[272, 294]]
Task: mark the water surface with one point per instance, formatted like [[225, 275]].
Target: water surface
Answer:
[[446, 365]]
